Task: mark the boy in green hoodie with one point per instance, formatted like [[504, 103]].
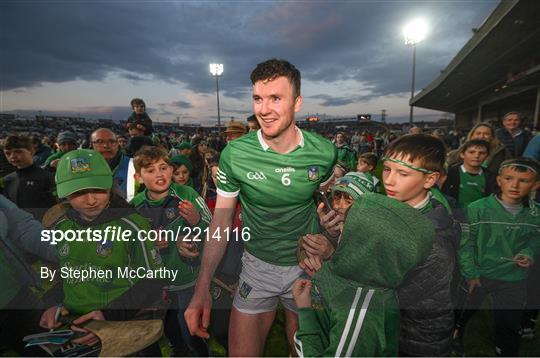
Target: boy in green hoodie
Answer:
[[497, 248], [350, 306], [177, 209]]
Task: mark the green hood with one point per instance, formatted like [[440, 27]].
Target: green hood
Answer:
[[382, 240]]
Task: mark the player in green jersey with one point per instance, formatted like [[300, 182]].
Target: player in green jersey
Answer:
[[273, 172], [97, 275]]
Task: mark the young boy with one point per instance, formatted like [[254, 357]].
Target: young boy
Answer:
[[497, 249], [29, 186], [182, 169], [176, 208], [343, 194], [352, 310], [411, 168], [84, 178], [469, 182], [367, 162]]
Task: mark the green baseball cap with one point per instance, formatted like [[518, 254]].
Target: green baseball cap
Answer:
[[82, 169]]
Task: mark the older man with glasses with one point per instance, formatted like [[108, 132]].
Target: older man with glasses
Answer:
[[105, 142]]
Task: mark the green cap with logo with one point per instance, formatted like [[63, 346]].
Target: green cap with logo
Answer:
[[82, 169]]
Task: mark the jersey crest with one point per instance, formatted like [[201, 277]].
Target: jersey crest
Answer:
[[313, 173]]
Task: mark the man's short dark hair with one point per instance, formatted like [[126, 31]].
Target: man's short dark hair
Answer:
[[18, 142], [475, 143], [429, 150], [271, 69]]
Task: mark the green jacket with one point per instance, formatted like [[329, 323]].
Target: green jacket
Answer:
[[347, 156], [52, 157], [354, 306], [493, 236], [164, 215]]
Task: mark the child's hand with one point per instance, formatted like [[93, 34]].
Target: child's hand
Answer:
[[189, 212], [317, 245], [522, 261], [311, 264], [187, 249], [301, 291], [90, 338], [472, 284]]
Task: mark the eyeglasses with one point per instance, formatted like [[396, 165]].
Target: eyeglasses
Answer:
[[102, 142]]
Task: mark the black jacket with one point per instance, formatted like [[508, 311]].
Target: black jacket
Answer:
[[143, 119], [451, 185], [425, 300], [515, 145], [31, 189]]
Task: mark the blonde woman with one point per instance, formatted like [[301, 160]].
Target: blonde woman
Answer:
[[497, 152]]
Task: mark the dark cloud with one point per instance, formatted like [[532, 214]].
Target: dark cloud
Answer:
[[330, 101], [182, 104], [175, 41]]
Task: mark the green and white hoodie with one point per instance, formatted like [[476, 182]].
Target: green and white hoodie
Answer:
[[354, 305]]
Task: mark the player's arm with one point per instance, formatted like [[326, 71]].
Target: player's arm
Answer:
[[197, 314]]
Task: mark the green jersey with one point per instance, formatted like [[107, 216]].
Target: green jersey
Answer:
[[471, 187], [276, 191], [347, 156], [164, 214], [493, 236], [107, 261]]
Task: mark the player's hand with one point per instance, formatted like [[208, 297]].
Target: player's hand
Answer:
[[472, 284], [522, 261], [301, 291], [197, 315], [189, 212], [311, 265], [332, 221], [317, 245], [90, 338], [48, 318], [187, 249]]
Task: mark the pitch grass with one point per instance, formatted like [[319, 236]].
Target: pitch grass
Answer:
[[478, 339]]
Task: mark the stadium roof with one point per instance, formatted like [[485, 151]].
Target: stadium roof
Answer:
[[501, 59]]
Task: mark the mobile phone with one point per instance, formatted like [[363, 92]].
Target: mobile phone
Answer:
[[322, 198]]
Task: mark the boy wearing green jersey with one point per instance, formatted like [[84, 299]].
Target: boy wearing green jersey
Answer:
[[181, 210], [273, 172], [469, 182], [498, 245], [97, 270]]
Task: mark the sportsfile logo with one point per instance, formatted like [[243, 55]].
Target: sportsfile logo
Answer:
[[256, 176]]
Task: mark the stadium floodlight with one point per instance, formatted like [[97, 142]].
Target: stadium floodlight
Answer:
[[414, 32], [216, 69]]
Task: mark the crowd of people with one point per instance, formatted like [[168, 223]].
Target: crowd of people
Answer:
[[372, 244]]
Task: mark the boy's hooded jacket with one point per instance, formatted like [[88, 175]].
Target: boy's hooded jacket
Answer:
[[354, 306]]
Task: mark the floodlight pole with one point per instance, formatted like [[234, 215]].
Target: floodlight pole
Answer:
[[218, 112], [412, 83]]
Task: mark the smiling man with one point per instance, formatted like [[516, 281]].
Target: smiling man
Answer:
[[275, 171], [106, 143]]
